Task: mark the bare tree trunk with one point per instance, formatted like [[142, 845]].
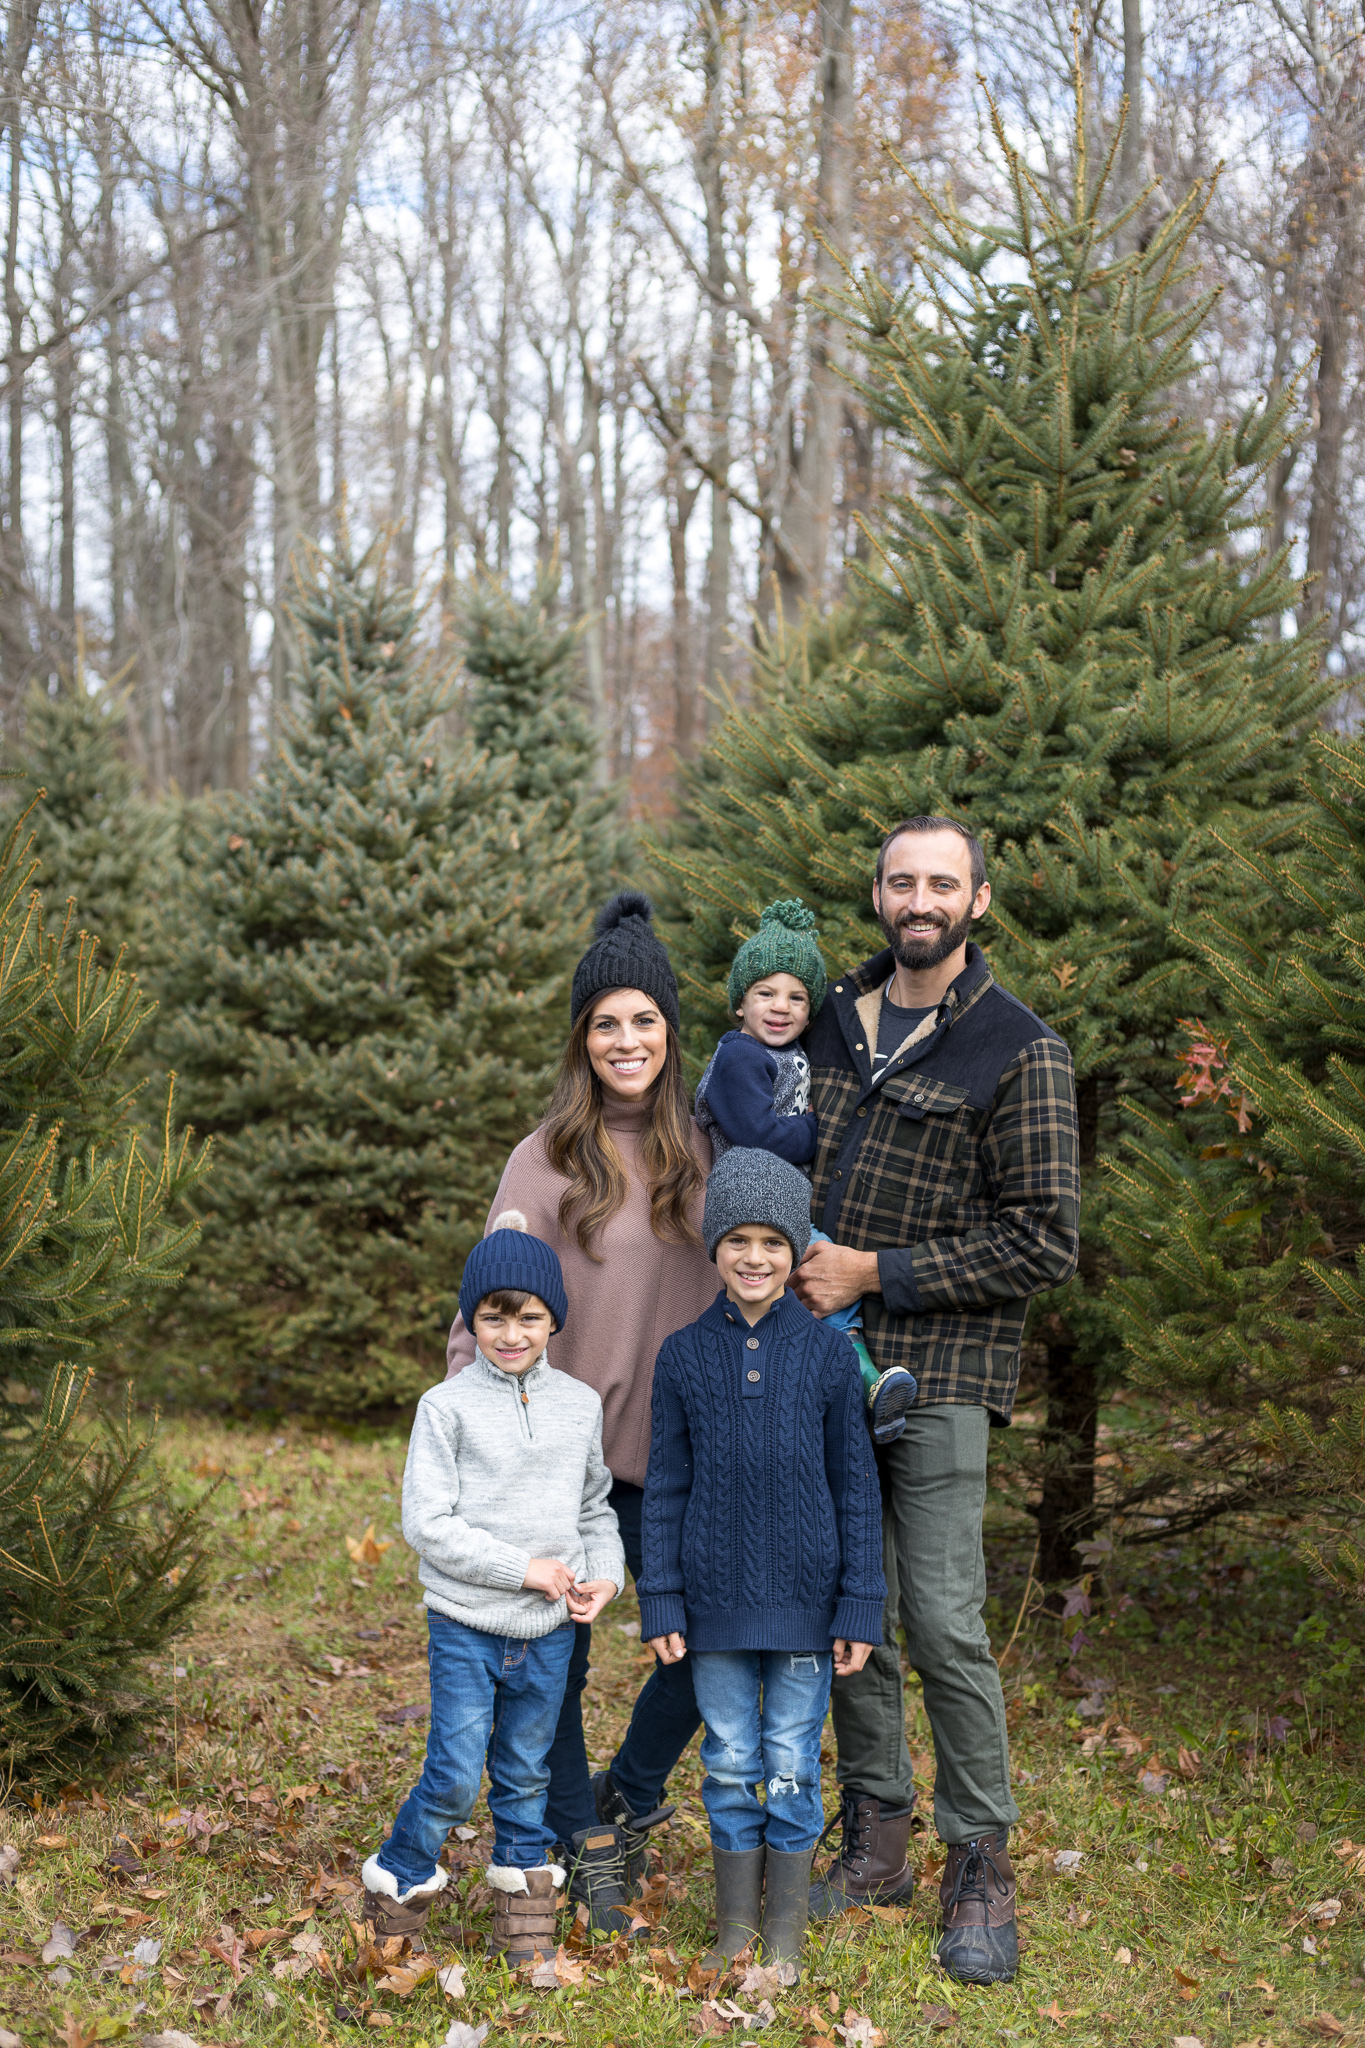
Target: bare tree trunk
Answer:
[[720, 358], [1130, 149], [1330, 409], [806, 515], [681, 498], [1066, 1510], [16, 651]]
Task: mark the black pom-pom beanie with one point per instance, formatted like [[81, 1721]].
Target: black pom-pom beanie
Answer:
[[626, 952]]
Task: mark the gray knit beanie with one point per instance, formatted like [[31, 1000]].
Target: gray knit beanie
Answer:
[[626, 952], [749, 1186]]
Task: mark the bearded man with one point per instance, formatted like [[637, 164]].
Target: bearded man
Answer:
[[947, 1179]]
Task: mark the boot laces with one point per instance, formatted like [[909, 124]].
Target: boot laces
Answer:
[[972, 1881], [600, 1873], [857, 1842]]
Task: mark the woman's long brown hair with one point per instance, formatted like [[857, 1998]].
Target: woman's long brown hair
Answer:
[[579, 1146]]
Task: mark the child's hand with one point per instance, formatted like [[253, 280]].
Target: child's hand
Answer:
[[850, 1657], [587, 1601], [669, 1649], [548, 1576]]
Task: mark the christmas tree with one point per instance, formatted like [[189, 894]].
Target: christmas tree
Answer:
[[1240, 1223], [1069, 655], [97, 840], [364, 996], [523, 703], [97, 1567]]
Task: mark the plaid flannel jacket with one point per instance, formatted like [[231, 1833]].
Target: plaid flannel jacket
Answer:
[[958, 1167]]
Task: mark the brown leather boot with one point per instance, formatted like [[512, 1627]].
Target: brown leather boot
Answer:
[[524, 1917], [872, 1868], [980, 1942], [386, 1913]]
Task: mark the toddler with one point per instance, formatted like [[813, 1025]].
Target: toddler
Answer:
[[762, 1546], [756, 1092], [505, 1503]]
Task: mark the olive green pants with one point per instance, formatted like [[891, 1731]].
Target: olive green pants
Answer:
[[933, 1496]]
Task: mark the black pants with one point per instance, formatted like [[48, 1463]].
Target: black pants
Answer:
[[662, 1723]]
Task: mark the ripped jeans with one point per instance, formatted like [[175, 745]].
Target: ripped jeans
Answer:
[[764, 1712]]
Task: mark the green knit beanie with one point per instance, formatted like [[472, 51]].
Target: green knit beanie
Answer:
[[785, 943]]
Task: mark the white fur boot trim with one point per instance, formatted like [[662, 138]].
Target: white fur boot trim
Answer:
[[384, 1884], [505, 1877]]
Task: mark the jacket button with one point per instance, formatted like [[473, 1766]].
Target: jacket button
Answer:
[[863, 1110], [838, 1173], [919, 1098], [754, 1378], [857, 1048], [838, 988], [751, 1343]]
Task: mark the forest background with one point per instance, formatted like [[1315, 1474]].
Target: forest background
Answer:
[[520, 281]]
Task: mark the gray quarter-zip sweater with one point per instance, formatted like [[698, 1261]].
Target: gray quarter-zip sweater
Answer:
[[502, 1469]]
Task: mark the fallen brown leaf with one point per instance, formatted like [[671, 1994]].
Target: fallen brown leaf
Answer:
[[1327, 2024], [368, 1550], [52, 1841], [1052, 2012], [937, 2015]]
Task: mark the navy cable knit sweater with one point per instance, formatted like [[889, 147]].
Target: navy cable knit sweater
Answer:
[[762, 1516]]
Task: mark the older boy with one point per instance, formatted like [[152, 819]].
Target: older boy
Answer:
[[762, 1544]]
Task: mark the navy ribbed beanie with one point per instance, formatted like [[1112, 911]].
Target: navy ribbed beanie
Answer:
[[510, 1257], [626, 952]]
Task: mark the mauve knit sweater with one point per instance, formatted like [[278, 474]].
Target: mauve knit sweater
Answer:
[[762, 1517], [620, 1310]]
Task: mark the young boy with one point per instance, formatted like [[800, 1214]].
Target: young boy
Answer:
[[762, 1545], [756, 1092], [505, 1503]]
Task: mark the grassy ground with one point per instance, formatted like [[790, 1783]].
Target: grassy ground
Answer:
[[1191, 1787]]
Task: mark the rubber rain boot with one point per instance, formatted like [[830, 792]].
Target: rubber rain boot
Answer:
[[739, 1902], [786, 1910]]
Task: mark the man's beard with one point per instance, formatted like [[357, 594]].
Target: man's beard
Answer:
[[933, 948]]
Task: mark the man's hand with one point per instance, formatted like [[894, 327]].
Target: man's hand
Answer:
[[833, 1275], [548, 1576], [587, 1601], [669, 1649], [849, 1657]]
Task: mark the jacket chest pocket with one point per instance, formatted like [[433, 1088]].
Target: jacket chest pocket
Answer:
[[932, 1136]]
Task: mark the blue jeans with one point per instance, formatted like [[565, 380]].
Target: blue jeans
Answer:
[[493, 1698], [764, 1711], [663, 1721]]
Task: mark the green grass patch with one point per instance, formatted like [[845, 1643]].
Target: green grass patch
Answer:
[[1190, 1779]]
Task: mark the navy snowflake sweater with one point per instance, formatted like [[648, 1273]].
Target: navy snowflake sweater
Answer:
[[762, 1518]]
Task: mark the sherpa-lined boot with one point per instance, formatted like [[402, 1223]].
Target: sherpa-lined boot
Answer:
[[739, 1902], [872, 1868], [980, 1942], [786, 1910], [635, 1827], [389, 1911], [524, 1904], [597, 1880]]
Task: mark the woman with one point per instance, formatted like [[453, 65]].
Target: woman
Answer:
[[614, 1180]]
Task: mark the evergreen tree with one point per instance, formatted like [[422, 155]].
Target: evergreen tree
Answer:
[[96, 838], [523, 703], [364, 993], [97, 1567], [1069, 655], [1240, 1224]]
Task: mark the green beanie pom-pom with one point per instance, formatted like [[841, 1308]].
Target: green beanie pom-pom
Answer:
[[785, 943]]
